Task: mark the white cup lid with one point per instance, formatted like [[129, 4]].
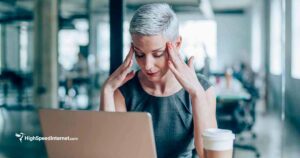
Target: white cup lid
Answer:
[[218, 134], [218, 139]]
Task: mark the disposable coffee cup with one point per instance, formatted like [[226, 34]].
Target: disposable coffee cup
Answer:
[[218, 143]]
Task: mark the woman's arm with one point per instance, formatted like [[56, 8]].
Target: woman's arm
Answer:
[[112, 101], [119, 101], [204, 115]]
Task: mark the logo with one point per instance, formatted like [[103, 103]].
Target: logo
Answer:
[[20, 136]]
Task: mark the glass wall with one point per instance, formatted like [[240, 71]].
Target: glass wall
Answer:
[[1, 46], [200, 40], [295, 39], [275, 37], [24, 47]]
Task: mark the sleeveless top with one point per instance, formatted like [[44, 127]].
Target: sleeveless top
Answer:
[[171, 117]]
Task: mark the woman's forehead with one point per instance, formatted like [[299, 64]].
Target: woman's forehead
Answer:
[[148, 42], [151, 50]]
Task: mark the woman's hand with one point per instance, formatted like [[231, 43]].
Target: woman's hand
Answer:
[[115, 80], [184, 73], [121, 75]]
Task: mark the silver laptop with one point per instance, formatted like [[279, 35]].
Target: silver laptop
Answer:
[[92, 134]]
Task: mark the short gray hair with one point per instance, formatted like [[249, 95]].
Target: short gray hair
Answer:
[[155, 19]]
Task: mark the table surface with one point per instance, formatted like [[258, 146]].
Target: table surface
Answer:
[[234, 92]]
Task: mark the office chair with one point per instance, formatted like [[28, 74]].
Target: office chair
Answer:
[[238, 116]]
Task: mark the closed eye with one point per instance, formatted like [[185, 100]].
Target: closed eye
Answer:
[[139, 55], [158, 55]]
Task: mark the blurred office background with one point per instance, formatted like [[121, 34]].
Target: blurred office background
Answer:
[[58, 53]]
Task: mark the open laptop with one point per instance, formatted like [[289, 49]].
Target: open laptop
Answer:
[[100, 134]]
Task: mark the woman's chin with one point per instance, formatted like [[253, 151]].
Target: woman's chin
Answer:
[[153, 78], [156, 78]]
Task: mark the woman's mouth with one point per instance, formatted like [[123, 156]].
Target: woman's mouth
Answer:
[[152, 74]]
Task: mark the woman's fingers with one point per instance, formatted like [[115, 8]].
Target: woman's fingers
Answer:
[[172, 68], [129, 56], [173, 56], [126, 69], [191, 62], [177, 73], [126, 64], [122, 74], [128, 61], [129, 76]]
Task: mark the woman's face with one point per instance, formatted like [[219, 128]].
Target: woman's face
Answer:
[[151, 55]]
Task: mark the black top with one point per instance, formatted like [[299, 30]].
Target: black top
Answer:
[[171, 116]]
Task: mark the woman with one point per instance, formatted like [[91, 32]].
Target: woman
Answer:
[[165, 86]]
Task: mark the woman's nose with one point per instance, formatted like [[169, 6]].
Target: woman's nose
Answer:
[[149, 63]]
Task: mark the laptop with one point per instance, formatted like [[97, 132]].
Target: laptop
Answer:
[[93, 134]]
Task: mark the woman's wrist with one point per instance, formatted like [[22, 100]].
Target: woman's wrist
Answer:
[[198, 92], [107, 89], [107, 96]]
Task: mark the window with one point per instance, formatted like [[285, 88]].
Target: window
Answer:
[[295, 39], [275, 37], [24, 47], [1, 46], [103, 46], [127, 39], [257, 34], [104, 43], [68, 48], [200, 40], [69, 42]]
